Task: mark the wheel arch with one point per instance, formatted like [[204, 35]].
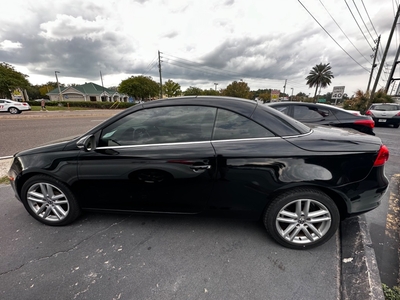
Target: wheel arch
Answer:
[[25, 177], [339, 200]]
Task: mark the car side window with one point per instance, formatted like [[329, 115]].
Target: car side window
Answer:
[[230, 125], [301, 112], [283, 109], [171, 124]]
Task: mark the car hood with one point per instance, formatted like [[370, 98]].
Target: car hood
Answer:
[[332, 139], [56, 145]]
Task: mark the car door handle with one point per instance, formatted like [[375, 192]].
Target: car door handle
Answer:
[[200, 168]]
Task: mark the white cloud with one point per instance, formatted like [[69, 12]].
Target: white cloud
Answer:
[[8, 45]]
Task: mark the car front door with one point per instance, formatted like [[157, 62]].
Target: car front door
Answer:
[[3, 105], [158, 159]]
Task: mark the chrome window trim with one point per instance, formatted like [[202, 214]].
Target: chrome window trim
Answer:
[[297, 136], [187, 143]]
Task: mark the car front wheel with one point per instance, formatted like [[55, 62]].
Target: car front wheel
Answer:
[[302, 218], [49, 201], [13, 110]]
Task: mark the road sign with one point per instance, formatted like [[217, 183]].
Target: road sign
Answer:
[[337, 92]]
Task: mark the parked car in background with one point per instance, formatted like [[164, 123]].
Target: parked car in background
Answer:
[[13, 107], [211, 155], [385, 114], [323, 114]]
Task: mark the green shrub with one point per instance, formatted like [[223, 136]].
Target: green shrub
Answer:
[[391, 294], [85, 104]]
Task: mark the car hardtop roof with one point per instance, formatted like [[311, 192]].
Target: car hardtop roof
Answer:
[[206, 100]]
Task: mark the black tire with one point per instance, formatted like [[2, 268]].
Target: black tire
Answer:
[[13, 110], [49, 201], [396, 125], [297, 230]]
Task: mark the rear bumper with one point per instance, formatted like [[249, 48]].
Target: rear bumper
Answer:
[[366, 195], [388, 121]]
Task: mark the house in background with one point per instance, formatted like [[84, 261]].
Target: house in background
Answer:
[[87, 92]]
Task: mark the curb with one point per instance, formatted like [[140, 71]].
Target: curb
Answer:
[[61, 113], [360, 279]]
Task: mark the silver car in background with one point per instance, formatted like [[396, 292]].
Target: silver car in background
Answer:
[[385, 114]]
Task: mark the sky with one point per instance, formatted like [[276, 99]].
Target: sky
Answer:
[[206, 44]]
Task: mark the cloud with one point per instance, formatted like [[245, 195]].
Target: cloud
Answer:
[[8, 45]]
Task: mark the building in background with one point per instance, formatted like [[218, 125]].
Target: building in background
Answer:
[[87, 92]]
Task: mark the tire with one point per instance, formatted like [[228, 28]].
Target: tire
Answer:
[[396, 125], [13, 110], [49, 201], [294, 229]]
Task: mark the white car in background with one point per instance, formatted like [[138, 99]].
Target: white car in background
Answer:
[[385, 114], [13, 107]]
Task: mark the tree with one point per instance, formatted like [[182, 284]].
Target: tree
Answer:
[[211, 92], [11, 80], [193, 91], [319, 77], [362, 101], [172, 89], [238, 89], [140, 87]]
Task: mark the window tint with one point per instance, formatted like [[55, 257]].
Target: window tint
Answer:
[[170, 124], [384, 107], [230, 125], [309, 113], [283, 109]]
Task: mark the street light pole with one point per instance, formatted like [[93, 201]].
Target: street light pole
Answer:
[[59, 90]]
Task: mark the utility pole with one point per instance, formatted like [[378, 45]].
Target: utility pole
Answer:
[[59, 90], [373, 63], [103, 95], [390, 79], [284, 87], [159, 69], [385, 53]]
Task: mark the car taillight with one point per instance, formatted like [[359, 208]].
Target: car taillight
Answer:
[[398, 114], [383, 156], [368, 113], [368, 123]]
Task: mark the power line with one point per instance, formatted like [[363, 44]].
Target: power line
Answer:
[[358, 24], [344, 32], [333, 38], [362, 1], [362, 19]]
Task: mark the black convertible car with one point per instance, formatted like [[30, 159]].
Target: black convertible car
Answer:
[[212, 155], [323, 114]]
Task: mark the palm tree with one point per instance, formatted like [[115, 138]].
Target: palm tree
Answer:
[[320, 76]]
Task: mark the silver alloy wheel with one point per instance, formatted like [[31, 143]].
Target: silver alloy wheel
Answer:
[[13, 110], [48, 202], [303, 221]]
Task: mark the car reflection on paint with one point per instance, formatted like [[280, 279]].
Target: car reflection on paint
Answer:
[[324, 114], [209, 155]]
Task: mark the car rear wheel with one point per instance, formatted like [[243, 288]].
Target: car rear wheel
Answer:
[[13, 110], [49, 201], [302, 218]]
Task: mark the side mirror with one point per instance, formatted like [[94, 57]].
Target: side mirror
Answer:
[[87, 143]]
